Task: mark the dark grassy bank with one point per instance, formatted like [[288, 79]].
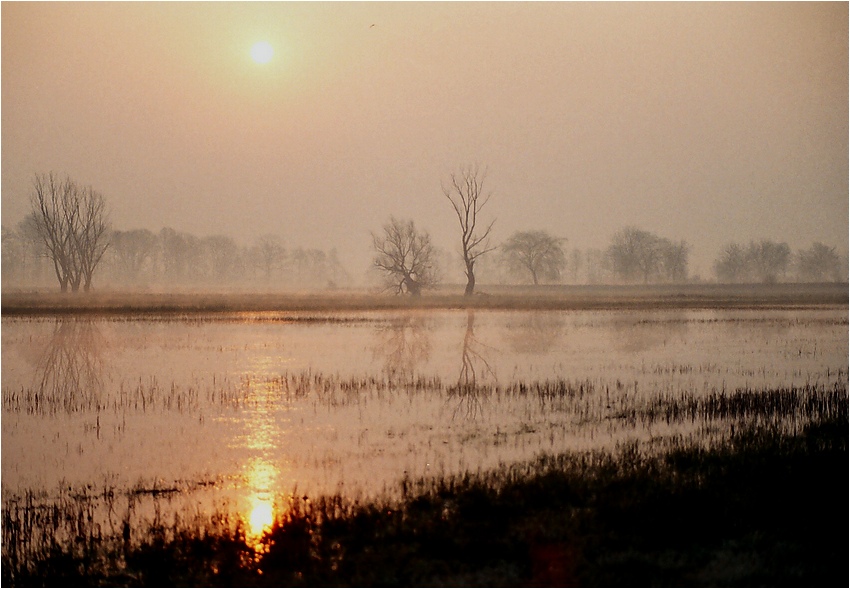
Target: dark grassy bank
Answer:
[[687, 296], [760, 508]]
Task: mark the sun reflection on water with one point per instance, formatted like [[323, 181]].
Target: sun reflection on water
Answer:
[[260, 471], [260, 513], [261, 517]]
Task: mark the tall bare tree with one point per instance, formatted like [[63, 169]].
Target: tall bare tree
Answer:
[[465, 190], [405, 256], [71, 222]]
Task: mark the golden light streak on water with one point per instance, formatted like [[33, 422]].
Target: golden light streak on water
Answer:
[[261, 517], [261, 474], [259, 512]]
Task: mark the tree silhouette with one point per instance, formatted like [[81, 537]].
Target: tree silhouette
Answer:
[[536, 253], [466, 193], [71, 222], [405, 257]]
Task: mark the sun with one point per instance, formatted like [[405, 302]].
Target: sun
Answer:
[[262, 52]]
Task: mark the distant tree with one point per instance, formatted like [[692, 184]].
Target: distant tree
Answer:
[[534, 254], [336, 274], [35, 259], [221, 257], [640, 256], [763, 261], [731, 266], [768, 260], [819, 263], [465, 191], [13, 253], [132, 251], [575, 264], [180, 256], [71, 223], [598, 266], [268, 255], [634, 255], [405, 257], [674, 260]]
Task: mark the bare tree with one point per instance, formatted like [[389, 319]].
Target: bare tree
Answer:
[[466, 193], [405, 257], [536, 253], [634, 254], [92, 238], [637, 255], [71, 222]]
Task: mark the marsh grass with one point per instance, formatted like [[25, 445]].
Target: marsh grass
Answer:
[[684, 296], [763, 505]]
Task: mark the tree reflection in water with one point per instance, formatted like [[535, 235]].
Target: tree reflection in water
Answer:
[[534, 332], [69, 374], [402, 345], [642, 332], [470, 392]]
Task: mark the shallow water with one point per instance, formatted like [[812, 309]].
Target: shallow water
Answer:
[[240, 407]]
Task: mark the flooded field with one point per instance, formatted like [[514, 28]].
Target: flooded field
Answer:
[[188, 414]]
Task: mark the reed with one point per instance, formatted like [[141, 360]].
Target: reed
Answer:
[[669, 511]]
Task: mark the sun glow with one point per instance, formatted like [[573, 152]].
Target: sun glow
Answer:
[[260, 512], [262, 52], [261, 516]]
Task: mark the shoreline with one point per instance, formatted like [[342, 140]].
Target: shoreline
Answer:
[[544, 298]]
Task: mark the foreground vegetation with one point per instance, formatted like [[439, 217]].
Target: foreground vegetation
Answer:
[[762, 506]]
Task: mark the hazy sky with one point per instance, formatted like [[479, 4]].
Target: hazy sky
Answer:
[[709, 122]]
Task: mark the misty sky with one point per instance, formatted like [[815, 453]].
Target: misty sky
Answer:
[[710, 122]]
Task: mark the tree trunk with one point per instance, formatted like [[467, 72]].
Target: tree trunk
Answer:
[[413, 287], [470, 279]]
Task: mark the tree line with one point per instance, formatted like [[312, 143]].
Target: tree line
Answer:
[[406, 258], [67, 235]]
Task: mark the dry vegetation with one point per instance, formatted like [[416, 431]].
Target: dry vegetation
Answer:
[[761, 508], [493, 297]]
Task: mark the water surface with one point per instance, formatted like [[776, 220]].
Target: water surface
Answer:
[[240, 407]]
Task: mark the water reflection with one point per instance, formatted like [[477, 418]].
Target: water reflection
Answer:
[[261, 475], [260, 472], [402, 345], [475, 374], [69, 373], [534, 332], [639, 333]]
